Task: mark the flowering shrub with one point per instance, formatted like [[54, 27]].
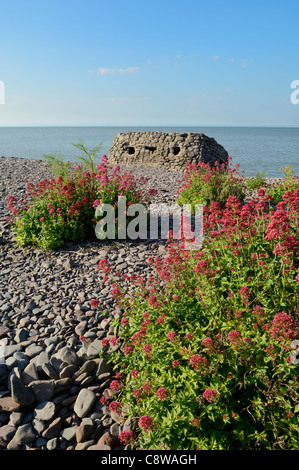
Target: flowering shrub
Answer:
[[55, 211], [63, 209], [207, 360], [203, 184]]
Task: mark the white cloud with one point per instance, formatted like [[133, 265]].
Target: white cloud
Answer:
[[216, 57], [103, 71]]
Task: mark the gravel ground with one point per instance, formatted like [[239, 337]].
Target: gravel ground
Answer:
[[50, 381]]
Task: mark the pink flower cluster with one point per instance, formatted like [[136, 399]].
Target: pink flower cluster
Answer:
[[210, 394], [115, 406], [163, 393], [210, 345], [126, 437], [235, 339], [284, 327], [115, 385], [171, 336], [146, 423], [198, 362]]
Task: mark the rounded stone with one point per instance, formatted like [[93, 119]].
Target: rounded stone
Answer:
[[20, 393], [24, 434], [45, 411], [85, 401], [69, 356]]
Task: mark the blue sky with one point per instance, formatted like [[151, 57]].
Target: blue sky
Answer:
[[162, 63]]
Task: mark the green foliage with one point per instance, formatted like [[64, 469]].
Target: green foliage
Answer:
[[257, 182], [203, 184], [87, 156], [58, 166], [290, 183]]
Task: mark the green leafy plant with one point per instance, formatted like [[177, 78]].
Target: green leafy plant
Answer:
[[290, 183], [87, 156], [257, 182], [58, 166], [209, 355], [204, 184]]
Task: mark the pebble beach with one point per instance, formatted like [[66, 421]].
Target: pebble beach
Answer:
[[51, 382]]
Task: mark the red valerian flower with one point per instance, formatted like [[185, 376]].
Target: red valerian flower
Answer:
[[115, 385], [171, 336], [175, 364], [147, 349], [104, 266], [128, 350], [209, 394], [115, 406], [94, 303], [147, 387], [235, 339], [84, 339], [126, 437], [163, 393], [284, 327], [245, 294], [146, 422], [105, 342], [198, 362], [209, 344]]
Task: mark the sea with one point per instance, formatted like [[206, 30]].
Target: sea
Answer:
[[255, 149]]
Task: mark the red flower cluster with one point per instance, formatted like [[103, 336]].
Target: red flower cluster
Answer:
[[126, 437], [94, 303], [235, 339], [198, 362], [171, 336], [115, 406], [210, 345], [209, 394], [163, 393], [115, 385], [146, 423], [284, 327]]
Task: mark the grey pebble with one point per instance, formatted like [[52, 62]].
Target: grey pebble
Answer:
[[85, 401]]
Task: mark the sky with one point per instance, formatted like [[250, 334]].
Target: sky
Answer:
[[149, 63]]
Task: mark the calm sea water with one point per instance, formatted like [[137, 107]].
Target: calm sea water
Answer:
[[255, 149]]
